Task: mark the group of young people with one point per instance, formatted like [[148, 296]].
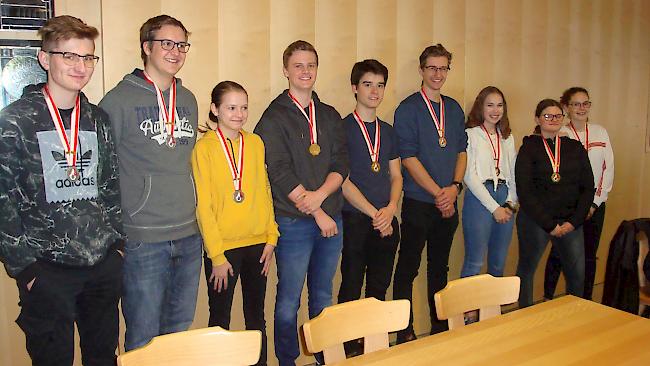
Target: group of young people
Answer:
[[122, 202]]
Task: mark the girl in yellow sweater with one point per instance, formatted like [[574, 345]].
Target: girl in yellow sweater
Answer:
[[234, 210]]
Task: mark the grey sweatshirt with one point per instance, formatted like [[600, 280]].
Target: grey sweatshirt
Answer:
[[158, 197]]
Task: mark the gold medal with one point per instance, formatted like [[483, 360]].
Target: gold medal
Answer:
[[171, 142], [555, 177], [314, 149], [498, 171], [442, 142], [238, 196], [73, 173], [375, 167]]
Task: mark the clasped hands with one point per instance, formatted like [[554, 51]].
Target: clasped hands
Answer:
[[309, 202], [561, 230], [445, 198]]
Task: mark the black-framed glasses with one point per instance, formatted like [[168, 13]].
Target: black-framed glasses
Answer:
[[71, 58], [553, 117], [168, 45], [442, 69], [585, 105]]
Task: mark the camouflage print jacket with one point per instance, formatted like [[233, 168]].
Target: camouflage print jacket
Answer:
[[44, 216]]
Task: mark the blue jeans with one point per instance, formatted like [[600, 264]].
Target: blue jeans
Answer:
[[532, 243], [161, 282], [482, 233], [302, 252]]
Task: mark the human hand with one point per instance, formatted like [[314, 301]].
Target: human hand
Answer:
[[267, 255], [502, 215], [384, 217], [326, 224], [310, 201], [591, 212], [446, 197], [557, 231], [219, 276]]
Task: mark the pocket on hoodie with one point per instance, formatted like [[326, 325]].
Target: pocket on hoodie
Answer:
[[167, 200], [137, 194]]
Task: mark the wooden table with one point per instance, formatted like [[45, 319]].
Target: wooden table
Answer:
[[564, 331]]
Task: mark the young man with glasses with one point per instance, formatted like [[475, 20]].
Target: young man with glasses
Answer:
[[307, 162], [154, 120], [432, 139], [60, 224]]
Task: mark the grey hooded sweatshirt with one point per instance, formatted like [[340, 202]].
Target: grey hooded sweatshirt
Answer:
[[158, 198]]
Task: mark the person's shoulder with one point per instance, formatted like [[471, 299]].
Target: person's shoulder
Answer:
[[412, 99], [597, 128]]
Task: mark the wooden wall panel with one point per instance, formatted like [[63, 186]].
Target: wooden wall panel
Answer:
[[530, 49]]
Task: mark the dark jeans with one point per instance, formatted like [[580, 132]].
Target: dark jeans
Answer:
[[592, 229], [422, 223], [365, 252], [245, 262], [532, 243], [61, 296]]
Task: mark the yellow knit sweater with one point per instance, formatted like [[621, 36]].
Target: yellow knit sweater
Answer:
[[225, 224]]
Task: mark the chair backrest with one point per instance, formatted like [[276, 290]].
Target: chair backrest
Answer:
[[369, 318], [483, 292], [208, 346], [642, 238]]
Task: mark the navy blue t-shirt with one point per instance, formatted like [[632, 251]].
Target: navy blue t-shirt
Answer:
[[418, 137], [374, 186]]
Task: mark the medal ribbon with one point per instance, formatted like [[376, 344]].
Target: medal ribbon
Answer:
[[373, 151], [234, 171], [166, 116], [554, 158], [496, 151], [69, 152], [440, 124], [575, 132], [311, 118]]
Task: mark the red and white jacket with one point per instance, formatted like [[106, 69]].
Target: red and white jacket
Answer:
[[601, 157]]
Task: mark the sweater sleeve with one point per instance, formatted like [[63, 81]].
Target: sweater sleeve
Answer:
[[586, 188], [272, 227], [15, 252], [109, 184], [206, 217], [278, 157], [512, 158], [405, 126], [528, 198], [473, 181], [608, 173], [115, 116]]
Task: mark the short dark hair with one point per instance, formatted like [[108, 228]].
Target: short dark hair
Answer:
[[152, 25], [63, 28], [298, 45], [368, 66], [476, 117], [219, 91], [543, 104], [434, 51], [566, 96]]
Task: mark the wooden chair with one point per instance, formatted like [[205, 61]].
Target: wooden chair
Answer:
[[208, 346], [483, 292], [644, 287], [368, 318]]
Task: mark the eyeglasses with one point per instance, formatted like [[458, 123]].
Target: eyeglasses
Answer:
[[442, 69], [71, 58], [168, 45], [552, 117], [585, 105]]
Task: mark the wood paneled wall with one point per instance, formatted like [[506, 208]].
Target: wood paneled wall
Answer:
[[531, 49]]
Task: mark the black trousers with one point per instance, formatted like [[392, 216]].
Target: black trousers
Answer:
[[245, 262], [365, 252], [592, 229], [422, 223], [61, 296]]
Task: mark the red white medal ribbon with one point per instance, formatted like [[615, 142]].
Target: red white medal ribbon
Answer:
[[575, 132], [496, 151], [235, 172], [167, 117], [70, 151], [440, 123], [372, 150], [311, 118], [553, 158]]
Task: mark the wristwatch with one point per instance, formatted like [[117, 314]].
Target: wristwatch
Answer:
[[458, 185]]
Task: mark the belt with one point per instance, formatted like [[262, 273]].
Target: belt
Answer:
[[500, 181]]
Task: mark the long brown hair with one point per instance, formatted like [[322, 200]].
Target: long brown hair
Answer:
[[476, 118]]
